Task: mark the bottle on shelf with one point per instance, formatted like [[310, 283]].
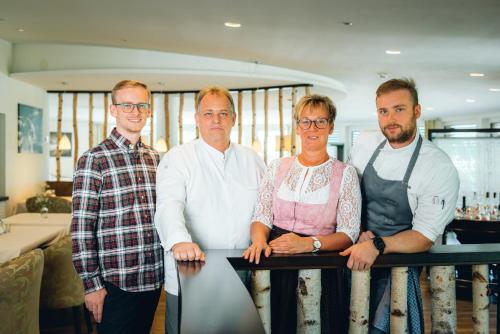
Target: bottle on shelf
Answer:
[[495, 207], [475, 214], [485, 209]]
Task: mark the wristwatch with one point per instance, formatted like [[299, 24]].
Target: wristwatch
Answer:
[[316, 244], [379, 244]]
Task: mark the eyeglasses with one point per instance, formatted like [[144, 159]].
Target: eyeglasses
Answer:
[[320, 123], [129, 107]]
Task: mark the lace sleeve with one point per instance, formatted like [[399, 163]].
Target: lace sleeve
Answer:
[[263, 208], [349, 207]]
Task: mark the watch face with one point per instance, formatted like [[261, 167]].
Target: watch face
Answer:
[[317, 244]]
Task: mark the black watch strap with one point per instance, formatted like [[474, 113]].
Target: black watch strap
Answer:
[[379, 244]]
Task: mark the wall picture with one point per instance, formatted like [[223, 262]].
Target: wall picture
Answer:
[[29, 129], [65, 146]]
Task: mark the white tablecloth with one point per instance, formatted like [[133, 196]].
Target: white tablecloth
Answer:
[[36, 219], [23, 238]]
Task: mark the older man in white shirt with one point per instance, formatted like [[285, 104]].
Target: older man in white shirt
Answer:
[[410, 189], [206, 190]]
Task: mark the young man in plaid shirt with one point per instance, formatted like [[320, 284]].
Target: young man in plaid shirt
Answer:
[[116, 249]]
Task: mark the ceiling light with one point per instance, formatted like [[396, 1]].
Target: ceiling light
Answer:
[[64, 83], [494, 89], [347, 23], [470, 100], [232, 24], [20, 30], [476, 74], [393, 52]]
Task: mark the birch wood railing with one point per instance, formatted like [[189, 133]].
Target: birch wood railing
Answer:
[[197, 289]]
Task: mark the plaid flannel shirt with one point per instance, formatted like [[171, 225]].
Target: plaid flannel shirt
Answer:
[[114, 196]]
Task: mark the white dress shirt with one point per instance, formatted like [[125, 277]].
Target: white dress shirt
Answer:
[[433, 185], [206, 196]]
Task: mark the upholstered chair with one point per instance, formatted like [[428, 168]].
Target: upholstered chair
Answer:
[[20, 280], [61, 286]]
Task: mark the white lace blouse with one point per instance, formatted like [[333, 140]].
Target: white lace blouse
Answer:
[[311, 185]]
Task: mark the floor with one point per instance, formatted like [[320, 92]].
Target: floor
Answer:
[[464, 316]]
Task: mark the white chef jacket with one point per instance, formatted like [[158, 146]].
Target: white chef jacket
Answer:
[[206, 196], [433, 184]]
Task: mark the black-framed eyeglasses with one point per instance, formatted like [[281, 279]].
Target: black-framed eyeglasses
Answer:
[[319, 123], [129, 107]]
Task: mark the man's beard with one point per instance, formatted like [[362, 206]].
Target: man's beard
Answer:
[[405, 135]]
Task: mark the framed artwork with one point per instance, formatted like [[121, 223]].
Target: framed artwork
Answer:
[[66, 144], [29, 129]]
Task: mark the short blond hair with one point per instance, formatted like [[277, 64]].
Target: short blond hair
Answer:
[[128, 84], [215, 90], [316, 101]]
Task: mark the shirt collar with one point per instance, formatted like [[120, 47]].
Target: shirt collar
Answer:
[[410, 146], [215, 152], [123, 142]]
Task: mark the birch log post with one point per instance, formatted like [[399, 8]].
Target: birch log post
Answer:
[[91, 120], [106, 110], [282, 134], [266, 123], [309, 301], [75, 129], [308, 90], [254, 115], [181, 108], [196, 109], [167, 120], [293, 139], [240, 116], [480, 299], [261, 294], [443, 300], [399, 302], [59, 135], [152, 122], [360, 302]]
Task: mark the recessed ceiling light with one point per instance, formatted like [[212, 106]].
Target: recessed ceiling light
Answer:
[[494, 89], [347, 23], [232, 24], [20, 30], [429, 108], [476, 74], [393, 52], [64, 83], [470, 100]]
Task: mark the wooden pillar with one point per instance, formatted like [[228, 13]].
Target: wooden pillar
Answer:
[[196, 109], [308, 90], [167, 120], [282, 134], [293, 139], [254, 116], [399, 300], [106, 111], [181, 108], [75, 129], [261, 294], [59, 135], [266, 123], [152, 122], [309, 301], [480, 299], [443, 300], [91, 120], [360, 302], [240, 115]]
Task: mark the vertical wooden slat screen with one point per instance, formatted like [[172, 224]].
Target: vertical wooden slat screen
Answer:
[[280, 109], [181, 108], [253, 116], [59, 135], [240, 115], [167, 120], [91, 120], [75, 129], [152, 122], [266, 121], [195, 110], [106, 110], [293, 142], [308, 90]]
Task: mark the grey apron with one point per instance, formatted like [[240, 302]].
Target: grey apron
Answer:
[[386, 211]]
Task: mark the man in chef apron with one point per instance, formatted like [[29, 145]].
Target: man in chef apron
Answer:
[[410, 189]]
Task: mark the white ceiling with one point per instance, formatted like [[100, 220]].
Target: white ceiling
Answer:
[[441, 41]]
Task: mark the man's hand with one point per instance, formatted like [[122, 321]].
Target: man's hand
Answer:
[[367, 235], [291, 243], [95, 302], [361, 255], [188, 251], [255, 250]]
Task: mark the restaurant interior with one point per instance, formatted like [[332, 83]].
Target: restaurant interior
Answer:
[[59, 61]]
